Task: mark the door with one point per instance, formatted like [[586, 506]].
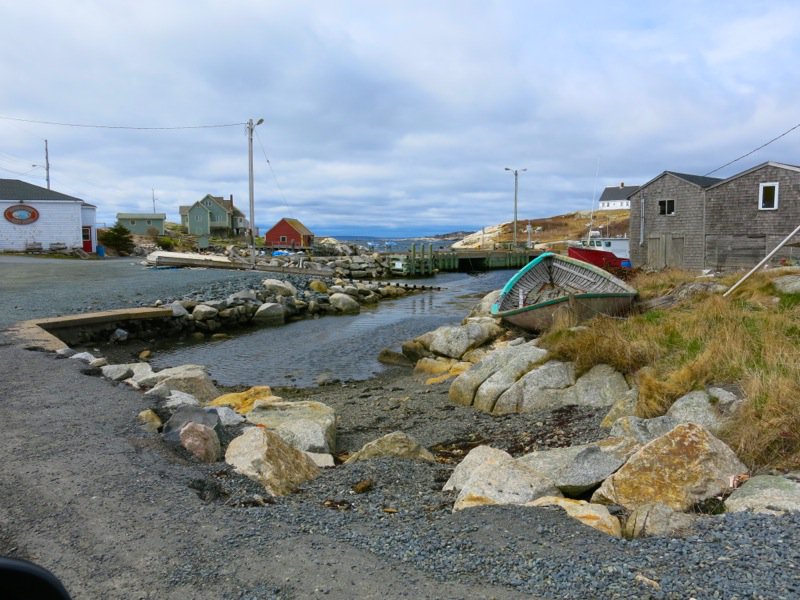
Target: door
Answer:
[[86, 233], [665, 250]]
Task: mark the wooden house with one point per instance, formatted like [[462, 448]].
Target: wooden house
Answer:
[[697, 222], [35, 218], [616, 197], [143, 223], [289, 234], [213, 215]]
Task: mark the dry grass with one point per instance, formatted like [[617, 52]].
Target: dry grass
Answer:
[[751, 339]]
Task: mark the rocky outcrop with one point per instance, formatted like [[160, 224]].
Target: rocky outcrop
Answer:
[[657, 520], [769, 494], [264, 457], [396, 444], [465, 387], [488, 476], [511, 379], [579, 469], [679, 469], [453, 341], [307, 425]]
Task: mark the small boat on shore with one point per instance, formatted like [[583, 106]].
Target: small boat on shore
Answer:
[[559, 288]]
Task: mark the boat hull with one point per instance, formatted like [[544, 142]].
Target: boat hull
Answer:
[[566, 311], [554, 289], [599, 258]]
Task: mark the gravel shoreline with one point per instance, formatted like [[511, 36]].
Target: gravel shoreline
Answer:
[[117, 514]]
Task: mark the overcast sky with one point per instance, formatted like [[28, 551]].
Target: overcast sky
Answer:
[[391, 117]]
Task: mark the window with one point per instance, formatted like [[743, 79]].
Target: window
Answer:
[[666, 207], [768, 196], [149, 222], [283, 238]]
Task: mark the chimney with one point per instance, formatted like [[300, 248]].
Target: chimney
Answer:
[[622, 184], [231, 198]]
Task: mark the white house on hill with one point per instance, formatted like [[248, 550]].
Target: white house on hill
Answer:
[[37, 218], [616, 197]]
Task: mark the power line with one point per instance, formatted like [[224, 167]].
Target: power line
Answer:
[[85, 126], [278, 185], [787, 132]]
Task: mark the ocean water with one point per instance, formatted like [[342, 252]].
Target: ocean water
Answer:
[[335, 347], [400, 245]]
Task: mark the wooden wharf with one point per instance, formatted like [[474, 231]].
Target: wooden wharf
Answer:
[[423, 262]]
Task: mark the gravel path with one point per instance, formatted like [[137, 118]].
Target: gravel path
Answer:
[[117, 514]]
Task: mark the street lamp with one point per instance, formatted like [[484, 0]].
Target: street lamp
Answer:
[[250, 127], [516, 192]]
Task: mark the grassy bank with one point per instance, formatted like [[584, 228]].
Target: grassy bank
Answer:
[[750, 340]]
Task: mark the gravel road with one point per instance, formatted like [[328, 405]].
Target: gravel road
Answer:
[[115, 513]]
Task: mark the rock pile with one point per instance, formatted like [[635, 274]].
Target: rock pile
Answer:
[[647, 477]]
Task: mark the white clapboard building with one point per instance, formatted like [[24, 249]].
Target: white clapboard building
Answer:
[[35, 218]]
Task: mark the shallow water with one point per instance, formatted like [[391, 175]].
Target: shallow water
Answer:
[[335, 347]]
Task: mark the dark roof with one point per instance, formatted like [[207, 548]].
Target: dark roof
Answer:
[[699, 180], [618, 192], [14, 189]]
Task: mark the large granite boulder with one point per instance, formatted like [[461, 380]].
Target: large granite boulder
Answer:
[[307, 425], [655, 519], [396, 444], [545, 387], [242, 402], [601, 386], [345, 304], [490, 476], [465, 386], [203, 312], [787, 284], [202, 441], [769, 494], [191, 380], [270, 313], [453, 341], [595, 516], [185, 415], [276, 287], [499, 382], [642, 430], [697, 407], [264, 457], [678, 469], [580, 469]]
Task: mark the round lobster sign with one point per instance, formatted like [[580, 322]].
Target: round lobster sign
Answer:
[[19, 214]]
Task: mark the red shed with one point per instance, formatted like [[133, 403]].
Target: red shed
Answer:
[[289, 233]]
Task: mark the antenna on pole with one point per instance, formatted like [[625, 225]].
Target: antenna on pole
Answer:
[[154, 199]]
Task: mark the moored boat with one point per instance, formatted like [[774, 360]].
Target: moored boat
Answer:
[[602, 252], [553, 287]]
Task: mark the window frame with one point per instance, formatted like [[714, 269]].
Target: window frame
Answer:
[[772, 184], [663, 208]]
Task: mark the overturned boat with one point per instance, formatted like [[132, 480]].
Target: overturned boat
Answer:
[[554, 288]]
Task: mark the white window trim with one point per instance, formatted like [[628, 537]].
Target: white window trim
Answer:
[[761, 187]]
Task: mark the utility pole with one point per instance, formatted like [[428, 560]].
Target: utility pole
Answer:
[[47, 164], [516, 192], [154, 199], [250, 127]]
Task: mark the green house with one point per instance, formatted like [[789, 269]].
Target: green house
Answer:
[[213, 215], [143, 223]]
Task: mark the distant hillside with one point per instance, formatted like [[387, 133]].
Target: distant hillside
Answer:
[[551, 231]]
